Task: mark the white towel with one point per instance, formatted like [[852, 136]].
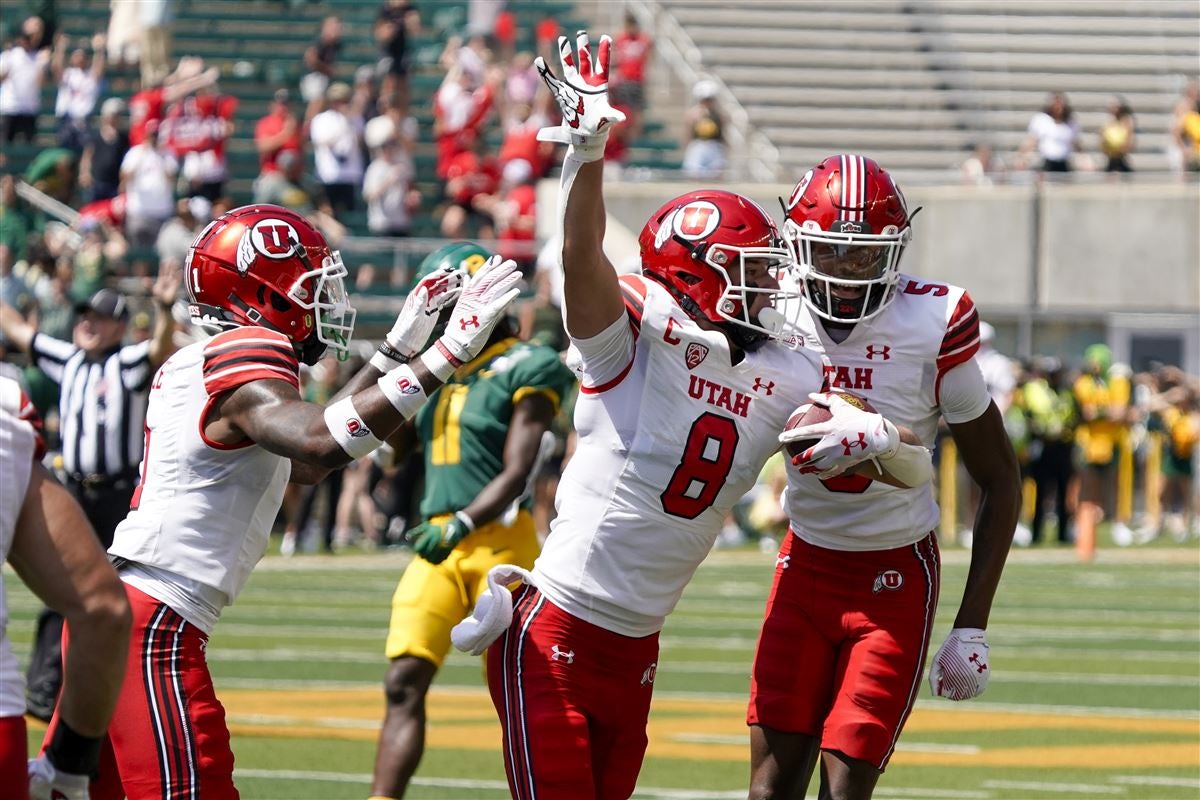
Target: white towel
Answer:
[[493, 611]]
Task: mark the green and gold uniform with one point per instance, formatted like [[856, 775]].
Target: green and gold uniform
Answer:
[[463, 429]]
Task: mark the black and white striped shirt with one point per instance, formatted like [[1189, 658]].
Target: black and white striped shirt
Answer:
[[102, 404]]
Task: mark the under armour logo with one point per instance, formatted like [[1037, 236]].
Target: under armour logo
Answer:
[[473, 322], [768, 386], [849, 445], [980, 665], [884, 352], [782, 561], [648, 674], [558, 654]]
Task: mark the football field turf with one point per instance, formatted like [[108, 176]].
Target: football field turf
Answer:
[[1095, 691]]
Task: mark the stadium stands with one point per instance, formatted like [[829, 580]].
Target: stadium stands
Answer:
[[915, 82]]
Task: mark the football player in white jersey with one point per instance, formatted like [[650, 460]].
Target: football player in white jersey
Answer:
[[226, 429], [683, 394], [47, 539], [849, 617]]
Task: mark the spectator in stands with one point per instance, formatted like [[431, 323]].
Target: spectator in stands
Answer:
[[124, 33], [156, 17], [321, 59], [100, 167], [704, 155], [461, 104], [983, 167], [337, 149], [633, 48], [545, 34], [196, 130], [277, 132], [15, 220], [1102, 393], [1050, 408], [1117, 136], [78, 89], [520, 85], [54, 171], [397, 21], [150, 103], [1177, 419], [1186, 135], [393, 117], [148, 183], [176, 235], [1177, 149], [22, 70], [1054, 134], [387, 185], [521, 142], [469, 175], [513, 211]]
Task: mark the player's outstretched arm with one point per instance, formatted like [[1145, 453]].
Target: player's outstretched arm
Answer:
[[272, 414], [591, 295], [58, 556]]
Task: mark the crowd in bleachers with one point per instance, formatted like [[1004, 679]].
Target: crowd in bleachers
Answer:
[[147, 171]]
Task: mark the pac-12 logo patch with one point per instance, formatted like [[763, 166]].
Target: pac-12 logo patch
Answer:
[[271, 238], [694, 354], [889, 579]]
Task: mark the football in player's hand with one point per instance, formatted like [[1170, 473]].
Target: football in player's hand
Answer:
[[815, 413]]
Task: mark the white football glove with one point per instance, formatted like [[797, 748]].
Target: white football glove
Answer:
[[959, 670], [847, 438], [582, 96], [48, 783], [418, 317], [480, 306]]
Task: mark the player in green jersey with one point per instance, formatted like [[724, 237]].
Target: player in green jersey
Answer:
[[481, 433]]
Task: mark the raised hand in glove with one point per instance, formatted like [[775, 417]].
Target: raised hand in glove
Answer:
[[419, 316], [849, 437], [959, 670], [48, 783], [582, 96], [433, 541], [480, 306]]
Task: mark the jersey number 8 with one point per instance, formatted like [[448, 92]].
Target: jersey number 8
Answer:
[[707, 460]]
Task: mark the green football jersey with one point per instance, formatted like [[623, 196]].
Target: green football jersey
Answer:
[[464, 425]]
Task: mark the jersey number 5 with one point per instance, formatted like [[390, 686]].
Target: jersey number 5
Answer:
[[707, 459]]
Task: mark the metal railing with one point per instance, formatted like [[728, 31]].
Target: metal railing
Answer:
[[753, 157]]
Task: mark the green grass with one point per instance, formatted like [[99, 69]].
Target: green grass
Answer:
[[1095, 690]]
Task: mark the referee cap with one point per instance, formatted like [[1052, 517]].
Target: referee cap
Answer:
[[107, 303]]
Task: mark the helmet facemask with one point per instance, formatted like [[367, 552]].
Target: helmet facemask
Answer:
[[744, 283], [322, 290], [848, 275]]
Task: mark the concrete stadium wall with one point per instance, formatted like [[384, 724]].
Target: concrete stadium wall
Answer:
[[1095, 249]]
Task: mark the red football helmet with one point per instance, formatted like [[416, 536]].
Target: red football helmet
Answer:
[[847, 224], [700, 245], [265, 265]]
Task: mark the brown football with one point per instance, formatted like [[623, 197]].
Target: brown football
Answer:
[[818, 412]]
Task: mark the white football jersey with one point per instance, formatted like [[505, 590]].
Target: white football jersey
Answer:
[[665, 450], [204, 510], [20, 444], [896, 360]]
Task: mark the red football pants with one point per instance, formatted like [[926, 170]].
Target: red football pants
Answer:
[[843, 644], [573, 699], [168, 735], [13, 748]]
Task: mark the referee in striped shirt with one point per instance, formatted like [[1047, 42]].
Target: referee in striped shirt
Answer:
[[104, 389]]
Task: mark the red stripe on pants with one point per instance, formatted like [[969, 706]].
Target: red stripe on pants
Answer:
[[168, 735]]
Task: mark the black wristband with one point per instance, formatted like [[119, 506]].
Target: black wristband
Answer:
[[394, 354], [71, 752]]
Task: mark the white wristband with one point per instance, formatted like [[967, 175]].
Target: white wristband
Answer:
[[911, 464], [402, 389], [348, 429], [466, 520], [440, 362]]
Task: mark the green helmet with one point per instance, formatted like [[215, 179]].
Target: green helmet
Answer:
[[456, 254]]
